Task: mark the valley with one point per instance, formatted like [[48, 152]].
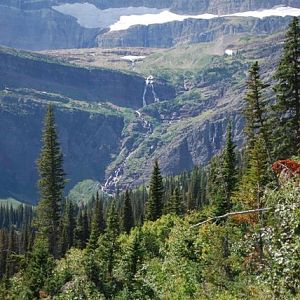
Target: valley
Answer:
[[111, 140], [126, 97]]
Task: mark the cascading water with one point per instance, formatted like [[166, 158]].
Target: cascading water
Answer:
[[149, 83], [144, 95], [156, 99]]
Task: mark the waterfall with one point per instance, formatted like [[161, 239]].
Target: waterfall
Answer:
[[144, 95], [149, 82], [156, 99]]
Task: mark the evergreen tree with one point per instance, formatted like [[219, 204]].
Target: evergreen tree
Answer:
[[68, 227], [194, 192], [101, 269], [222, 176], [51, 184], [133, 260], [175, 205], [257, 161], [255, 177], [12, 251], [3, 251], [255, 111], [112, 221], [97, 224], [215, 181], [82, 229], [85, 226], [154, 206], [78, 234], [26, 238], [38, 271], [127, 214], [287, 109], [229, 172]]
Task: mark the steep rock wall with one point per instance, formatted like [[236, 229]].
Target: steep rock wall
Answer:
[[88, 140], [98, 85], [189, 31]]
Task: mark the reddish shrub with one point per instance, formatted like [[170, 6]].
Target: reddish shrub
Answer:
[[289, 168]]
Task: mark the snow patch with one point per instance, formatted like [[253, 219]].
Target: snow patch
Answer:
[[231, 52], [126, 22], [133, 58], [89, 16], [278, 11]]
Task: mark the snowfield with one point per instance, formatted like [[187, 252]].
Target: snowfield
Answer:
[[133, 58], [89, 16], [126, 22]]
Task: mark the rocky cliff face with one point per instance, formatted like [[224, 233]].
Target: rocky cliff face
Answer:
[[42, 29], [181, 6], [90, 117], [35, 25], [98, 85], [88, 139], [189, 31]]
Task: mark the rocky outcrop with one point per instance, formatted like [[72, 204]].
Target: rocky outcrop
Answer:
[[42, 29], [20, 70]]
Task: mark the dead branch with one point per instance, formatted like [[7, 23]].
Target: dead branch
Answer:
[[230, 214]]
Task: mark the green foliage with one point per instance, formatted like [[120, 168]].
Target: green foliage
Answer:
[[98, 224], [83, 192], [255, 111], [287, 108], [222, 176], [82, 229], [175, 203], [51, 184], [68, 227], [71, 280], [229, 173], [127, 214], [282, 241], [154, 206], [38, 272]]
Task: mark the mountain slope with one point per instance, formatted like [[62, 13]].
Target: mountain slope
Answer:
[[116, 145], [55, 24], [24, 70]]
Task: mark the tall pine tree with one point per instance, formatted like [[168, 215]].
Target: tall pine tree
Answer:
[[154, 206], [256, 111], [174, 204], [51, 185], [97, 224], [229, 171], [287, 89], [127, 214]]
